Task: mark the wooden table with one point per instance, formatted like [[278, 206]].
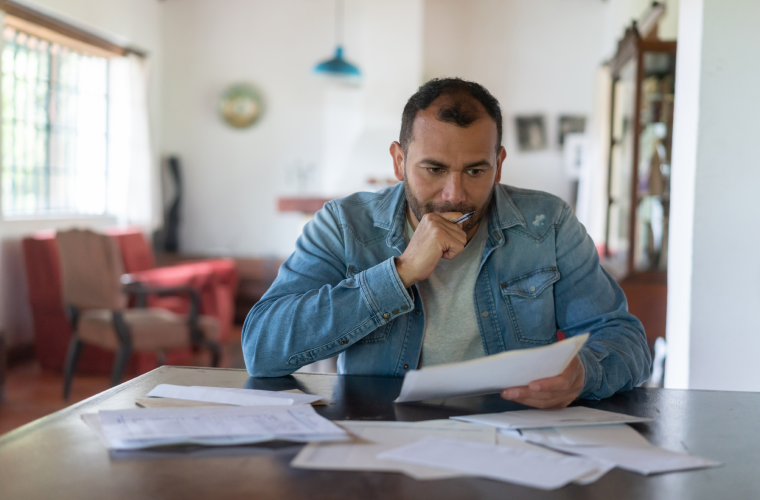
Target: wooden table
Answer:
[[60, 457]]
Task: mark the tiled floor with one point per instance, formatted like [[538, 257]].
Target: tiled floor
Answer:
[[32, 393]]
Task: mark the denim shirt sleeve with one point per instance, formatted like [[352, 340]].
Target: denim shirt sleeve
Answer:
[[587, 299], [312, 311]]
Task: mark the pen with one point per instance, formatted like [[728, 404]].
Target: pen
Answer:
[[464, 218]]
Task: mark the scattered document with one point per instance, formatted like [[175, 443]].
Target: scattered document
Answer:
[[372, 438], [619, 445], [490, 374], [620, 435], [513, 438], [644, 460], [232, 425], [538, 469], [566, 417], [229, 396]]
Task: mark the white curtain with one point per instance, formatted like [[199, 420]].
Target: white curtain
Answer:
[[130, 167]]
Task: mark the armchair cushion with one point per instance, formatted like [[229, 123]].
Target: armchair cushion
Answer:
[[151, 329]]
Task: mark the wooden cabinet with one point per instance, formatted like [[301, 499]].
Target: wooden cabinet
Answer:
[[641, 136]]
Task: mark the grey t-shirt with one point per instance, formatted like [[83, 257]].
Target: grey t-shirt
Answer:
[[451, 327]]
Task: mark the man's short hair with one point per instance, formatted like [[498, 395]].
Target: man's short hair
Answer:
[[459, 109]]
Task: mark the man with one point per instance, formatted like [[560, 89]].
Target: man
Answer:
[[390, 283]]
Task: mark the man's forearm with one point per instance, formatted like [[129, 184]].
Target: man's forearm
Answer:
[[290, 328]]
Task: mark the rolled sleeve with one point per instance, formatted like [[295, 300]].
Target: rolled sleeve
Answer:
[[384, 292], [592, 373]]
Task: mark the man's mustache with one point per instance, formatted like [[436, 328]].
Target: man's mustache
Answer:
[[449, 207]]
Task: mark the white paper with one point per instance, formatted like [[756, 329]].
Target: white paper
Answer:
[[592, 435], [230, 396], [490, 374], [298, 398], [644, 460], [217, 425], [376, 437], [539, 469], [566, 417], [516, 439]]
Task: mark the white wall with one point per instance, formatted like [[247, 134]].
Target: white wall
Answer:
[[714, 270], [234, 177], [131, 22], [535, 57]]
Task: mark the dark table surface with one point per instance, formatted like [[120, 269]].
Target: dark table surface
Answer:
[[58, 456]]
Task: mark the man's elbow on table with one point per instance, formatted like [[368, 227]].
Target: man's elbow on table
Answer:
[[261, 358]]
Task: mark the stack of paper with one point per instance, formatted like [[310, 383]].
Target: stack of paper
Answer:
[[229, 396], [228, 425], [373, 438], [619, 445], [594, 434], [377, 444], [567, 417], [537, 468]]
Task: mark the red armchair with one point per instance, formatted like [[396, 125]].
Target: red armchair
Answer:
[[216, 281]]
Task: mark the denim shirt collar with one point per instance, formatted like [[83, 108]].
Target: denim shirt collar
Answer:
[[391, 215]]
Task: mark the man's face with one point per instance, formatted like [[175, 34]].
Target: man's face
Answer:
[[449, 168]]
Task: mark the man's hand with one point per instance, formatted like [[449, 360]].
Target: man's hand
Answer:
[[434, 239], [554, 392]]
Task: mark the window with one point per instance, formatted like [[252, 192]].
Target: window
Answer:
[[54, 128]]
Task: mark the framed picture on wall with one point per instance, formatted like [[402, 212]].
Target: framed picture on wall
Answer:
[[531, 132], [570, 124]]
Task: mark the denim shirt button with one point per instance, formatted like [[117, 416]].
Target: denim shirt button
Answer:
[[395, 311], [386, 315], [417, 312], [406, 367], [485, 314], [532, 288], [496, 235], [404, 308]]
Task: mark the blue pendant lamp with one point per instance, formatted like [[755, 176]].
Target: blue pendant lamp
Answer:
[[337, 66]]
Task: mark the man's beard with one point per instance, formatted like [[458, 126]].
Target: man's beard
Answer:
[[420, 209]]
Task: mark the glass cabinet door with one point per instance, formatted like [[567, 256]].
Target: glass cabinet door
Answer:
[[653, 180], [621, 170]]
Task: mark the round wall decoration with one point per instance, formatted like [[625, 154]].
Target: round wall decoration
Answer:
[[241, 105]]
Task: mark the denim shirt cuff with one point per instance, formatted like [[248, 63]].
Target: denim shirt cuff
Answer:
[[384, 292], [593, 373]]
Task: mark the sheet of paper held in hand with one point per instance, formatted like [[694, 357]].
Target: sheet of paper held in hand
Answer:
[[490, 374], [215, 425]]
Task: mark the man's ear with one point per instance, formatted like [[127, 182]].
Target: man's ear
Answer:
[[499, 160], [397, 153]]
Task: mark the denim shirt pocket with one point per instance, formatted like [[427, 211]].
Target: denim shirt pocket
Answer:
[[530, 305], [380, 334]]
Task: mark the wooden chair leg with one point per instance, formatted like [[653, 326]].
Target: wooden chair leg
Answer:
[[120, 364], [125, 348], [72, 358], [216, 353]]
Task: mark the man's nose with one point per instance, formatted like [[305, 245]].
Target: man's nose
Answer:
[[453, 191]]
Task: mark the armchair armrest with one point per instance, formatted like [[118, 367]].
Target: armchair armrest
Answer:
[[142, 291]]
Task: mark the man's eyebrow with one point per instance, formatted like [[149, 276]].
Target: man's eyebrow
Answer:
[[435, 163], [481, 163], [439, 164]]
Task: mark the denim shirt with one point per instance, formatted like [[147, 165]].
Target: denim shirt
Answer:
[[339, 293]]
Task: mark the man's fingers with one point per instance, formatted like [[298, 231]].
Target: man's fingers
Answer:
[[515, 393], [545, 403], [558, 383]]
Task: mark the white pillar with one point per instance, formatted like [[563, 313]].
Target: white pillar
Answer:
[[714, 259]]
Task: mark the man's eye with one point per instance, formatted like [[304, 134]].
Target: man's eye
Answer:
[[435, 170], [475, 172]]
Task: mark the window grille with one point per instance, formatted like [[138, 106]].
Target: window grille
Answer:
[[54, 128]]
